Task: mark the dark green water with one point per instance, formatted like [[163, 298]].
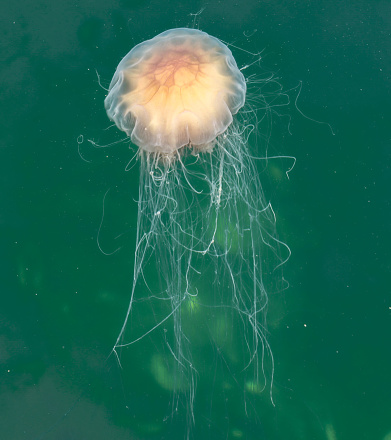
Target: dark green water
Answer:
[[63, 301]]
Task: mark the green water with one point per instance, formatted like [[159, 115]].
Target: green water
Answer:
[[63, 301]]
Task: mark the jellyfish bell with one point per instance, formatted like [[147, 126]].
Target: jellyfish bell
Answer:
[[179, 88], [206, 239]]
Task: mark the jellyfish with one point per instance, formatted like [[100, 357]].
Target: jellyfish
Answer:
[[206, 239]]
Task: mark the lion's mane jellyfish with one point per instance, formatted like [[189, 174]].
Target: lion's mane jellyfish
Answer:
[[206, 242], [180, 88]]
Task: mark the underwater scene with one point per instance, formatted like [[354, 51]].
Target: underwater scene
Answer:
[[195, 226]]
